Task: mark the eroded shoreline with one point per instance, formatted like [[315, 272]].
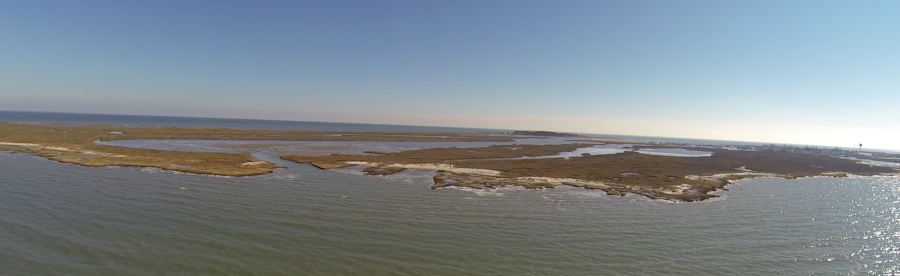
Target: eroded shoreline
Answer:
[[653, 176]]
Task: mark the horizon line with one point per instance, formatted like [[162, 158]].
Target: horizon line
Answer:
[[430, 126]]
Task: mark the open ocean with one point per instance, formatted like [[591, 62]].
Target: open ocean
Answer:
[[61, 219]]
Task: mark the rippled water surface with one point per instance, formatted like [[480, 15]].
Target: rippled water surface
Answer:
[[59, 219]]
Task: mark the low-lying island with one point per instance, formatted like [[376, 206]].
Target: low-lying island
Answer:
[[630, 167]]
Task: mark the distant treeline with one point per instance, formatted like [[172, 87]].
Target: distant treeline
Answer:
[[545, 133]]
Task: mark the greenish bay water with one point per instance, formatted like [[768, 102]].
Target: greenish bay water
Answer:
[[60, 219]]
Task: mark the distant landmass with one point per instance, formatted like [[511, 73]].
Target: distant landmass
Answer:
[[545, 133]]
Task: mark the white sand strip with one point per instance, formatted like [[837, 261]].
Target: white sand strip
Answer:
[[432, 167]]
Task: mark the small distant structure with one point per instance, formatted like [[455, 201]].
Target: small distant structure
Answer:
[[860, 147]]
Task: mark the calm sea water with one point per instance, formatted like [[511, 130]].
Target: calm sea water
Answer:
[[60, 219]]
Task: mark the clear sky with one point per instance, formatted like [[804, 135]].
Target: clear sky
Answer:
[[804, 72]]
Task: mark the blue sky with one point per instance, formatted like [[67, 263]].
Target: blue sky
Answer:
[[805, 72]]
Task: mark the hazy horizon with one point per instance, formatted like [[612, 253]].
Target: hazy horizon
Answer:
[[612, 135], [800, 72]]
